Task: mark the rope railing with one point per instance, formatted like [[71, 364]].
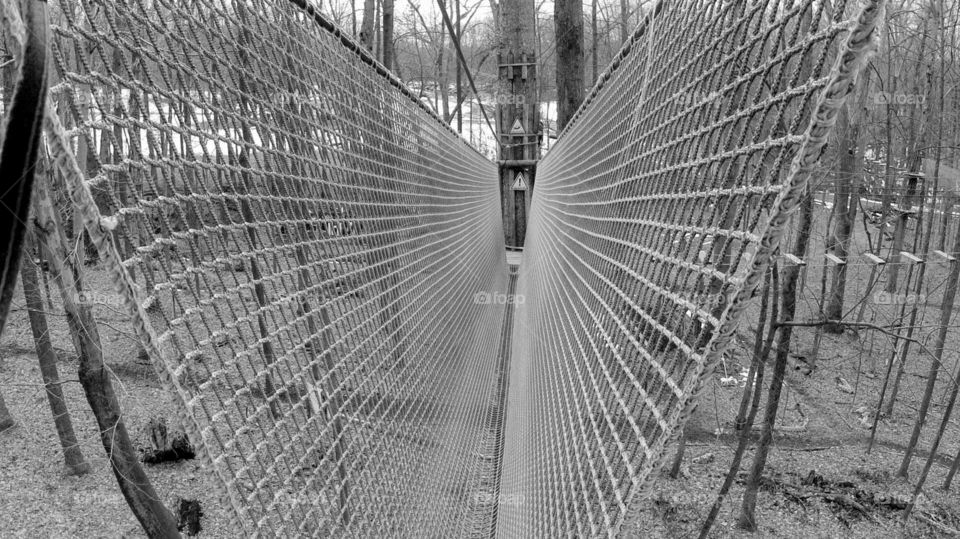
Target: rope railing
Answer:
[[654, 219], [314, 262], [301, 243]]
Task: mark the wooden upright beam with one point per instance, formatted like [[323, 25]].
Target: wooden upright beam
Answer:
[[518, 116]]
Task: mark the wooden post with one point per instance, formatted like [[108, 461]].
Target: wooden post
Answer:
[[518, 116]]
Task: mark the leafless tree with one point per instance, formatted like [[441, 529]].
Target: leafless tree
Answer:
[[74, 463]]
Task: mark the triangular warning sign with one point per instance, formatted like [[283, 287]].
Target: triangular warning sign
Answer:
[[520, 184], [517, 128]]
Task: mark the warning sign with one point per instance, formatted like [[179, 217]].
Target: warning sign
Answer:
[[517, 128], [519, 184]]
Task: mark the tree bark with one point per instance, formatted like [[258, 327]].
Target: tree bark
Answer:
[[458, 33], [678, 457], [568, 17], [593, 44], [443, 90], [366, 25], [624, 21], [845, 202], [74, 463]]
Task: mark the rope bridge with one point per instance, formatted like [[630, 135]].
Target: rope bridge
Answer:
[[314, 261]]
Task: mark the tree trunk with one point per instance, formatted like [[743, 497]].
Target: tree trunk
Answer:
[[678, 458], [458, 29], [946, 309], [913, 158], [154, 517], [952, 278], [568, 16], [948, 203], [761, 350], [74, 463], [751, 394], [747, 520], [624, 21], [6, 420], [952, 472], [846, 200], [916, 141], [443, 89], [366, 26], [595, 70]]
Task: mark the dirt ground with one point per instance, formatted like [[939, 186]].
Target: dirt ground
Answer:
[[36, 498]]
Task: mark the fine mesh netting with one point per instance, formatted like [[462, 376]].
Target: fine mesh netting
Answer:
[[314, 262], [653, 219]]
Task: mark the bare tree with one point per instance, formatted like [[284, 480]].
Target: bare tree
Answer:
[[846, 200], [624, 21], [154, 517], [946, 309], [74, 463], [751, 392], [788, 298], [914, 158], [366, 26], [593, 42], [388, 33], [935, 363], [568, 17]]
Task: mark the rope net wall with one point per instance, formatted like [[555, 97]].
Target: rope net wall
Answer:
[[305, 249], [314, 261], [653, 220]]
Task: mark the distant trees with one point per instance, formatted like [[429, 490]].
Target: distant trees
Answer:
[[410, 39]]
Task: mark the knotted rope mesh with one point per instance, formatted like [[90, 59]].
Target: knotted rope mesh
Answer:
[[653, 220], [311, 256], [305, 242]]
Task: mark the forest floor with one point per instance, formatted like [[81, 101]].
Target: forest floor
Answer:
[[819, 480]]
